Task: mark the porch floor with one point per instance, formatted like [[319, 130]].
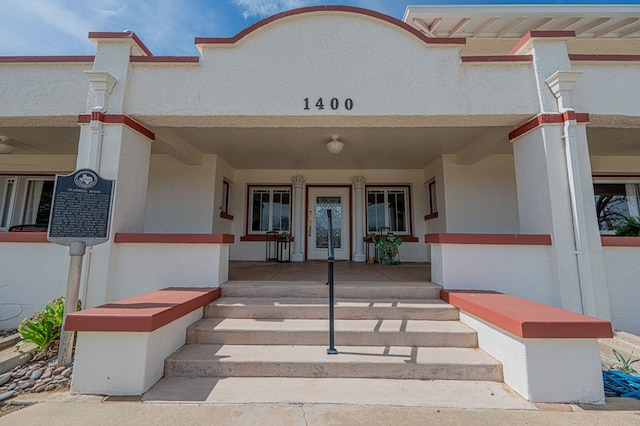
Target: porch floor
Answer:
[[317, 271]]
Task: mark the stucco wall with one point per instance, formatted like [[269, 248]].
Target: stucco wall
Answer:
[[60, 90], [180, 198], [256, 76], [622, 269], [604, 88], [481, 198], [37, 275]]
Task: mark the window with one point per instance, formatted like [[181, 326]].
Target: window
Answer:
[[433, 198], [224, 208], [615, 201], [270, 209], [25, 200], [388, 208]]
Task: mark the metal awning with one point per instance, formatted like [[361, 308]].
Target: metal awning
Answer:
[[497, 21]]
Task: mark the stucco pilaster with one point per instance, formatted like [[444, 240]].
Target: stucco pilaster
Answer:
[[358, 184], [298, 212]]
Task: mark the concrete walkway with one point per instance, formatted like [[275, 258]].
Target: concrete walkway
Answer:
[[64, 409]]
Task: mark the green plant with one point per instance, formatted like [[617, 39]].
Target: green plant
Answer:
[[630, 227], [388, 249], [44, 327], [625, 363]]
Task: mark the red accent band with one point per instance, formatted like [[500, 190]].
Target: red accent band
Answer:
[[431, 216], [525, 318], [143, 313], [124, 34], [46, 59], [23, 237], [175, 238], [541, 34], [558, 118], [498, 58], [226, 216], [615, 241], [116, 119], [493, 239], [311, 9], [165, 59], [604, 58], [251, 238]]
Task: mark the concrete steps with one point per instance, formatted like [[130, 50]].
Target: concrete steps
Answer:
[[316, 308], [384, 330]]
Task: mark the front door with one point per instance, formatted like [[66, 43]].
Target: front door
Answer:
[[320, 200]]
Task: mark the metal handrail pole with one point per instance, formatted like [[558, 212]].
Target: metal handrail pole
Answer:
[[330, 261]]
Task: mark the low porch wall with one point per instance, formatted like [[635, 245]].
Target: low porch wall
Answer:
[[121, 346], [154, 261], [548, 354], [33, 273], [622, 269], [510, 263]]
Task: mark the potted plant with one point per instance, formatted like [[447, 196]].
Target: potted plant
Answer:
[[630, 227], [387, 246]]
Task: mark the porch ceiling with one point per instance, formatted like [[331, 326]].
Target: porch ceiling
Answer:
[[305, 147]]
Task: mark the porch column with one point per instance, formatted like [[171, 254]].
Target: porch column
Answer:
[[554, 184], [358, 184], [298, 211], [118, 148]]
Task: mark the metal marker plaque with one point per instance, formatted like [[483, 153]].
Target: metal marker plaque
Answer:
[[81, 208]]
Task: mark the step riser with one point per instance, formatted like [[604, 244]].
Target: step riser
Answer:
[[322, 312], [352, 370], [315, 291], [312, 338]]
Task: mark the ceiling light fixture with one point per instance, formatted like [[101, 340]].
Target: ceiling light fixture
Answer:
[[5, 147], [335, 145]]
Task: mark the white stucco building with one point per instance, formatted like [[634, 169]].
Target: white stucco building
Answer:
[[499, 142]]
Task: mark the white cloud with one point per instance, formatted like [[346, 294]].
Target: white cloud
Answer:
[[264, 8]]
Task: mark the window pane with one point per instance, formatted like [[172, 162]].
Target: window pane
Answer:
[[397, 211], [433, 198], [38, 202], [322, 221], [6, 205], [281, 209], [612, 205], [260, 211], [375, 211]]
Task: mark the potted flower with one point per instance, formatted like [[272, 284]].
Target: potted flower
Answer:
[[387, 246]]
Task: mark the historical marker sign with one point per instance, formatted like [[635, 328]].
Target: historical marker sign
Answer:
[[81, 208]]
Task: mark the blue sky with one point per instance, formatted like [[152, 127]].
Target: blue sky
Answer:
[[167, 27]]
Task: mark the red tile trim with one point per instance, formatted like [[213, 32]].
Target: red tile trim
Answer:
[[348, 9], [431, 216], [116, 119], [525, 318], [261, 237], [23, 237], [46, 59], [491, 239], [165, 59], [604, 58], [546, 118], [498, 58], [124, 34], [144, 313], [174, 238], [541, 34], [615, 241], [226, 216]]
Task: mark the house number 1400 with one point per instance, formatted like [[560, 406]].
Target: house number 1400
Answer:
[[334, 104]]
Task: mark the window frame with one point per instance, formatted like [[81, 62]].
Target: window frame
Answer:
[[17, 208], [224, 202], [432, 193], [250, 191], [622, 180], [407, 214]]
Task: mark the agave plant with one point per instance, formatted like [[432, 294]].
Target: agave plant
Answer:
[[44, 327]]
